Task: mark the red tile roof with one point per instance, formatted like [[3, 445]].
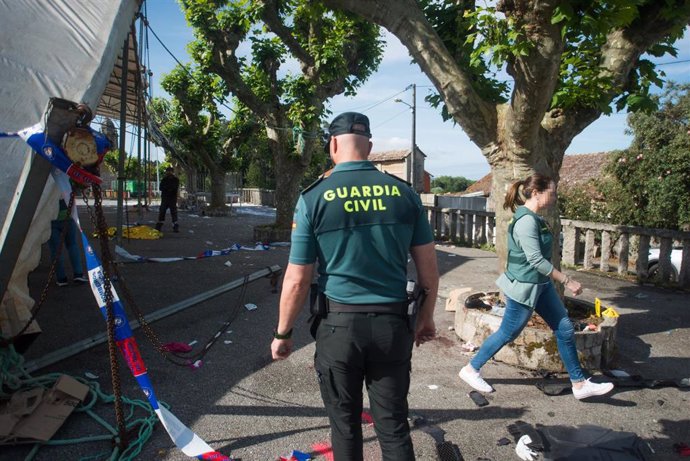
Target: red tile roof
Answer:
[[576, 169]]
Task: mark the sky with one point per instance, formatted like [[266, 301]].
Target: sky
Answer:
[[449, 151]]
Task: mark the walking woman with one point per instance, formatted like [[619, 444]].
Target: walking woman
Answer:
[[528, 286]]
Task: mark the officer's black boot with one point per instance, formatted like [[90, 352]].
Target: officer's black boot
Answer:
[[159, 225], [176, 227]]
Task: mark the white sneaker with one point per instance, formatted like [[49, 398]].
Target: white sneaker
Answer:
[[590, 389], [474, 379]]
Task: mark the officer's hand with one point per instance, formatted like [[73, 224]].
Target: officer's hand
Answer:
[[281, 348], [426, 331]]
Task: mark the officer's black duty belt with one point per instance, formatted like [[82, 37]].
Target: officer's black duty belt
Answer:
[[399, 308]]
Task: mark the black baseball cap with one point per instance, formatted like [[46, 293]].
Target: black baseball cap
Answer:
[[348, 122]]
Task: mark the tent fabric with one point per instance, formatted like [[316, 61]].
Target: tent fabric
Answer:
[[58, 48]]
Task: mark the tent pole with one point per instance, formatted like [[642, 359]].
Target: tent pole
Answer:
[[123, 134]]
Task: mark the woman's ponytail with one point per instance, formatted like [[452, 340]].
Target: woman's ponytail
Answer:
[[514, 198]]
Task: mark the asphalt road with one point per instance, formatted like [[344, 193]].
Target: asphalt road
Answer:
[[247, 406]]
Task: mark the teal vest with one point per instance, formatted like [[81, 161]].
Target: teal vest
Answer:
[[517, 267]]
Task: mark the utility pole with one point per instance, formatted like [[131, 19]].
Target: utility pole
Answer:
[[412, 167], [414, 176]]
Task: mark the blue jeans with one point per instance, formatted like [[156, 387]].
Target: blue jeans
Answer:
[[71, 245], [550, 307]]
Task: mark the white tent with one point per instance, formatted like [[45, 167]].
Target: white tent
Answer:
[[50, 48]]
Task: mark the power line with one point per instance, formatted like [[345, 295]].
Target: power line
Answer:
[[395, 116]]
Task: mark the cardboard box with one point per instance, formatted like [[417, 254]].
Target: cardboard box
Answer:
[[37, 413]]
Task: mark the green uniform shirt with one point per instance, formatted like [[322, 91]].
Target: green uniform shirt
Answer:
[[359, 223]]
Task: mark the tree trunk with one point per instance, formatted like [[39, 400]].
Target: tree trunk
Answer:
[[504, 173], [217, 205], [288, 173], [190, 173]]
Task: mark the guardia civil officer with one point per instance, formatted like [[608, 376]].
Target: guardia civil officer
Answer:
[[360, 224]]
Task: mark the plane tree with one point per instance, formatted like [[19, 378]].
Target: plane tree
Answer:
[[568, 62], [283, 60], [207, 137]]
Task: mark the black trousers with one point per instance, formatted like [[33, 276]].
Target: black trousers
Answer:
[[374, 349], [165, 204]]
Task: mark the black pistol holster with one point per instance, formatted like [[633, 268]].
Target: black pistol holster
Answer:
[[318, 308], [416, 294]]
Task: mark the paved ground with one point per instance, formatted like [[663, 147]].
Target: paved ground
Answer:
[[246, 406]]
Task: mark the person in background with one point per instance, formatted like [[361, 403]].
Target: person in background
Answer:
[[71, 245], [169, 186], [528, 285], [360, 224]]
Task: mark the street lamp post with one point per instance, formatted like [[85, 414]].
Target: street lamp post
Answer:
[[412, 170]]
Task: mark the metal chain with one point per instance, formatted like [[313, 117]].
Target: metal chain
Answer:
[[176, 358], [110, 318]]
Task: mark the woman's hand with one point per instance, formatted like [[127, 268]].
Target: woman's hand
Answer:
[[574, 286]]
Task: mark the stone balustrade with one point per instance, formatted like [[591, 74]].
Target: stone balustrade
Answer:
[[469, 227], [633, 244], [581, 239]]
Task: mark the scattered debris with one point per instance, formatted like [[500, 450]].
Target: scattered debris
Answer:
[[451, 328], [250, 306], [617, 373], [228, 263], [682, 449], [178, 347], [209, 243], [227, 341], [196, 364], [641, 296], [503, 441], [523, 450], [433, 387], [551, 414], [192, 343], [469, 347], [478, 399], [90, 375]]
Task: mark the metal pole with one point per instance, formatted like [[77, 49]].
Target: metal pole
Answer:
[[415, 172], [123, 134]]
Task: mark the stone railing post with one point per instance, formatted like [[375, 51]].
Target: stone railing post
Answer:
[[588, 262], [469, 227], [453, 225], [445, 226], [605, 251], [462, 227], [623, 252], [479, 229], [491, 230], [684, 275], [665, 259], [642, 258], [571, 238]]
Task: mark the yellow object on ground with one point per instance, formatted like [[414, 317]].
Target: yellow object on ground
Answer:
[[137, 232], [610, 312], [597, 307]]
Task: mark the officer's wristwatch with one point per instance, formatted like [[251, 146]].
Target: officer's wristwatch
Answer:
[[287, 335]]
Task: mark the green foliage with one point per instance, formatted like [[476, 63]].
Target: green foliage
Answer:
[[449, 184], [342, 50], [470, 35], [585, 27], [649, 183], [484, 39]]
